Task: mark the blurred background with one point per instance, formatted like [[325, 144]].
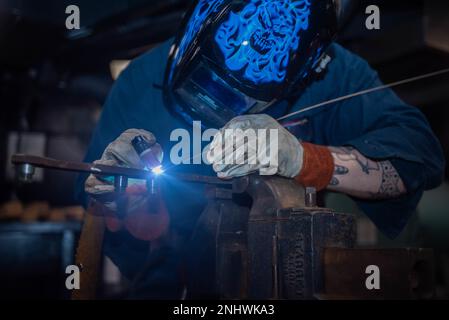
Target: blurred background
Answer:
[[54, 81]]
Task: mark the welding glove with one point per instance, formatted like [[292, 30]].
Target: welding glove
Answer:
[[258, 143], [118, 153], [121, 153], [255, 143]]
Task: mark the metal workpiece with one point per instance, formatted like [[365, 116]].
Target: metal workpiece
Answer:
[[153, 195], [25, 163], [120, 184], [151, 186], [80, 167]]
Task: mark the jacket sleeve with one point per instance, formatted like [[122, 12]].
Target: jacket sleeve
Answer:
[[382, 127]]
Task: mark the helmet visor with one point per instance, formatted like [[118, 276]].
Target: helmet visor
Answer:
[[212, 99]]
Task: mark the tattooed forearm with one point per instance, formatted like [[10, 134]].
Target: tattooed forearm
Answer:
[[390, 185], [346, 154], [362, 177]]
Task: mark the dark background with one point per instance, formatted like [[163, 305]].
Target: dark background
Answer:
[[53, 83]]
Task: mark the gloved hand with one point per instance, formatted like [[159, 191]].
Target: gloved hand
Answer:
[[118, 153], [137, 220], [256, 158], [310, 164]]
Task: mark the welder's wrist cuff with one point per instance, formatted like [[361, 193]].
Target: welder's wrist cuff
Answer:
[[318, 167]]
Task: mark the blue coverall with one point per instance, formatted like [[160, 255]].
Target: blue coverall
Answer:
[[379, 125]]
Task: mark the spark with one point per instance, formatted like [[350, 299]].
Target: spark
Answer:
[[157, 170]]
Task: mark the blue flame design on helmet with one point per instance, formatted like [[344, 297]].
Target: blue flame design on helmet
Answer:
[[202, 10], [261, 38]]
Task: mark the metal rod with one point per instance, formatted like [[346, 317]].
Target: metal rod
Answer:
[[120, 184], [275, 266], [103, 170], [360, 93], [310, 198]]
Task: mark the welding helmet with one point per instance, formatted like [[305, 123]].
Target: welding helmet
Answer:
[[236, 57]]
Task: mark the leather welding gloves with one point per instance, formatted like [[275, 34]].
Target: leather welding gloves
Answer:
[[121, 153], [118, 153], [270, 149], [258, 143]]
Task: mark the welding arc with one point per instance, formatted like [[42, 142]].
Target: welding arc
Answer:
[[360, 93]]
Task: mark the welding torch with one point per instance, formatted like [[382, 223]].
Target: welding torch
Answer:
[[151, 156]]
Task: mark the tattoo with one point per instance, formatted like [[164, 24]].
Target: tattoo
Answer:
[[380, 178], [346, 154], [334, 182], [340, 170], [390, 181]]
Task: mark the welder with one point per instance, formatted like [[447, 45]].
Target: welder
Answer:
[[241, 65]]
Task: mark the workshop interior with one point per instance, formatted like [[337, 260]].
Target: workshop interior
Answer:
[[264, 237]]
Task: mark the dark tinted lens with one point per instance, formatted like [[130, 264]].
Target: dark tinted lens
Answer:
[[218, 90]]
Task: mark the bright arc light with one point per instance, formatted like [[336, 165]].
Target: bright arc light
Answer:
[[157, 170]]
